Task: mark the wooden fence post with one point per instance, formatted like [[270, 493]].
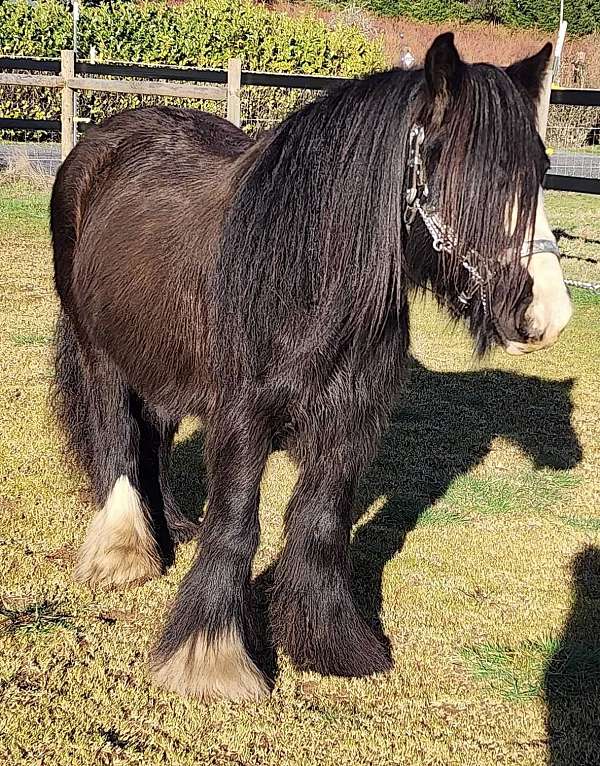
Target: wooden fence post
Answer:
[[544, 104], [67, 114], [234, 84]]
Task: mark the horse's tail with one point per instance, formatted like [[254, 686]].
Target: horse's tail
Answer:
[[83, 168], [71, 397], [73, 391]]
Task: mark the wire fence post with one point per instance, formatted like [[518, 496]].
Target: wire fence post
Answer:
[[552, 72], [544, 104], [234, 84], [67, 114]]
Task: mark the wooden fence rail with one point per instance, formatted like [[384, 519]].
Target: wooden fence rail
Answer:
[[68, 128], [68, 77], [72, 76]]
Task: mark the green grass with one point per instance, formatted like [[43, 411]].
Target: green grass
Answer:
[[34, 618], [23, 205], [536, 668], [590, 524], [31, 339], [516, 673], [583, 297], [479, 536], [529, 492], [577, 217], [437, 516]]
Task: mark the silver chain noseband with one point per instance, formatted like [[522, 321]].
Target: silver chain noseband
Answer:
[[443, 237]]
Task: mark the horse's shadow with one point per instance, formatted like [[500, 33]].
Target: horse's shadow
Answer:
[[572, 679], [561, 234], [443, 427]]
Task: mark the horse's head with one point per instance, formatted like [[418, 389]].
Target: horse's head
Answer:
[[475, 166]]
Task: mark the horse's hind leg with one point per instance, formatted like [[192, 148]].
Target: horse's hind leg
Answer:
[[127, 540], [156, 441], [203, 651], [313, 615]]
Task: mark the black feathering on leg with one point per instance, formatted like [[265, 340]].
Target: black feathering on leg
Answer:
[[314, 618], [208, 643]]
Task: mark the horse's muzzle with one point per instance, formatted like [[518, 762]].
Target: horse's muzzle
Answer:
[[550, 309]]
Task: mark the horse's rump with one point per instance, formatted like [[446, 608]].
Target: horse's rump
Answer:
[[136, 212]]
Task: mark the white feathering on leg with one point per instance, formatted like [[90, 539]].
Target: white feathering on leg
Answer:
[[119, 547]]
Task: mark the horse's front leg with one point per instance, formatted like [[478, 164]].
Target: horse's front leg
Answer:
[[203, 651], [313, 615]]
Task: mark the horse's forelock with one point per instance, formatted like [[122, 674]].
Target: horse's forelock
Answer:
[[490, 167]]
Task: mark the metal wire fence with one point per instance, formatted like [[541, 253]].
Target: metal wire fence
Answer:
[[573, 137], [264, 107], [35, 156], [38, 151], [94, 106]]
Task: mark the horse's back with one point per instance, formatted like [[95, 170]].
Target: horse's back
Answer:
[[164, 125], [136, 212]]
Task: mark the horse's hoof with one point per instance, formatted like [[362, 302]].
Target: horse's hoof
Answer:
[[358, 659], [336, 642], [210, 671]]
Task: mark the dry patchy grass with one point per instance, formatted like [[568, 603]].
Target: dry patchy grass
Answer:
[[482, 497]]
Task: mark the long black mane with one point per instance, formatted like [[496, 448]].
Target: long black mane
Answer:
[[320, 211]]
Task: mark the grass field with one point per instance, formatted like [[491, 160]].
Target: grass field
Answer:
[[479, 551]]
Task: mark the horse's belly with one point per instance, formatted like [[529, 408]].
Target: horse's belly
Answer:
[[148, 314]]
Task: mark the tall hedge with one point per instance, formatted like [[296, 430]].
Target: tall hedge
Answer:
[[428, 11], [203, 33], [545, 15]]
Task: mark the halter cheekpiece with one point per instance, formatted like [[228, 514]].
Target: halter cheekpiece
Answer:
[[443, 237]]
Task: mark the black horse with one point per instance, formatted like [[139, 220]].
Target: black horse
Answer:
[[264, 287]]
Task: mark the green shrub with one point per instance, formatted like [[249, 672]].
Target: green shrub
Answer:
[[545, 15], [431, 11], [201, 33]]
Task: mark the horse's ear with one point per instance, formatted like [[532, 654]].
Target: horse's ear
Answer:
[[443, 68], [529, 73]]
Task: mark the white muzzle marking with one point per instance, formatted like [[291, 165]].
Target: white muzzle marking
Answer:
[[550, 308]]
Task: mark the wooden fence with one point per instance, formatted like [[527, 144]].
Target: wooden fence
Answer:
[[70, 76]]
